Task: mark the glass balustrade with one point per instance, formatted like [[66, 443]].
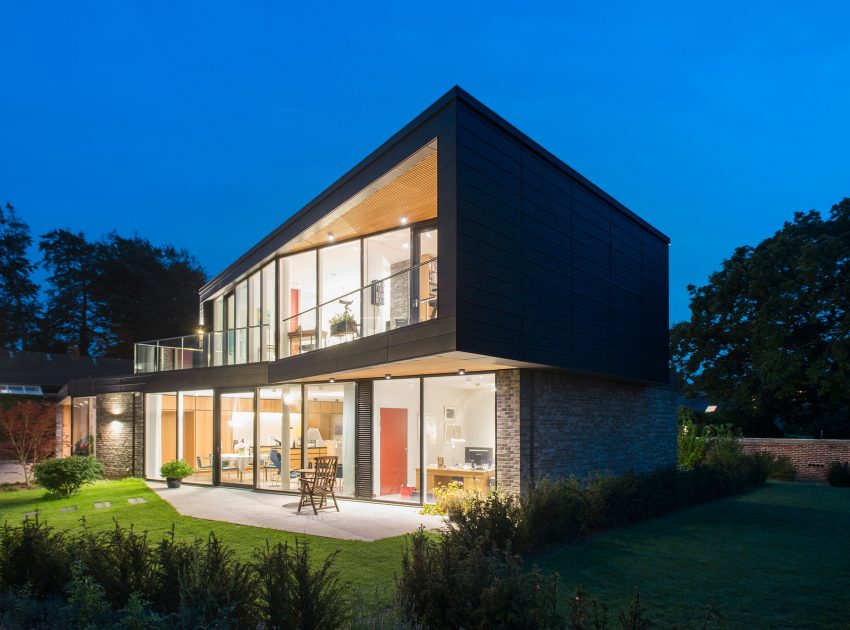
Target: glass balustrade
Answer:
[[404, 298]]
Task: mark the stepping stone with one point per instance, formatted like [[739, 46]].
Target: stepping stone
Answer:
[[105, 504], [68, 508], [136, 500], [31, 514]]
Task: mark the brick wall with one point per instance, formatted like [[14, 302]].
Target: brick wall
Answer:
[[810, 457], [115, 441], [553, 424]]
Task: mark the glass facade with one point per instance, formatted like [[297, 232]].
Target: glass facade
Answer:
[[447, 423], [396, 432]]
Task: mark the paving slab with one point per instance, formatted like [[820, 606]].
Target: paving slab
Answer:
[[31, 514], [136, 500], [104, 504], [68, 508], [356, 520]]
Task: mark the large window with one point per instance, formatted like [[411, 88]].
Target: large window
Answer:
[[460, 432], [297, 303], [269, 316], [160, 432], [279, 437], [396, 430], [218, 332], [386, 262], [196, 433], [237, 438], [83, 425], [339, 292], [330, 429]]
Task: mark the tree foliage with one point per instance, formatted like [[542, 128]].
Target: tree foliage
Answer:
[[769, 335], [18, 292], [27, 432]]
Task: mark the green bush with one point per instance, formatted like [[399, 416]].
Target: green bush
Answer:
[[781, 467], [65, 476], [293, 595], [35, 557], [175, 469], [838, 474]]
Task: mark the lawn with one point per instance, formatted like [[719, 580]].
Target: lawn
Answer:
[[369, 565], [778, 557]]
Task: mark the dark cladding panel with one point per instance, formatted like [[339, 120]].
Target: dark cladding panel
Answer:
[[550, 269]]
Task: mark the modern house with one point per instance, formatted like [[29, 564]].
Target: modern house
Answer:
[[461, 305]]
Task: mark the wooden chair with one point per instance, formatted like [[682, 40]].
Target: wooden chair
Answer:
[[319, 484]]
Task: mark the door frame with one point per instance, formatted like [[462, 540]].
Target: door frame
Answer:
[[217, 393]]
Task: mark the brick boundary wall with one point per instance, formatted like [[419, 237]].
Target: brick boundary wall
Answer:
[[810, 457]]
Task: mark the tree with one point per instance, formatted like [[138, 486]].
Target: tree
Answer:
[[769, 335], [18, 293], [70, 323], [144, 292], [29, 431]]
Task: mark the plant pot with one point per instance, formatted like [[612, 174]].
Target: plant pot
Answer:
[[346, 327], [173, 482]]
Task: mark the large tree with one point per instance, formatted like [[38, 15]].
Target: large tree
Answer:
[[71, 322], [769, 335], [18, 292], [144, 292]]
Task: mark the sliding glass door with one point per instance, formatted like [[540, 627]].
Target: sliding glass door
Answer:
[[236, 438]]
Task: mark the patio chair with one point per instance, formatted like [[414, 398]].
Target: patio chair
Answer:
[[319, 484]]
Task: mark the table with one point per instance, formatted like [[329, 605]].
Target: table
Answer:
[[474, 479], [240, 459]]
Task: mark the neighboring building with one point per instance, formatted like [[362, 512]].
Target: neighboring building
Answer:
[[44, 374], [460, 305]]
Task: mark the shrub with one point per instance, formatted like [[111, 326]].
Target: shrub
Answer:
[[20, 609], [779, 467], [120, 560], [175, 469], [838, 474], [292, 594], [66, 475], [553, 510], [496, 518], [215, 589], [34, 556]]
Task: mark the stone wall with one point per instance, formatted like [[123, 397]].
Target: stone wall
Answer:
[[811, 458], [117, 447], [551, 424]]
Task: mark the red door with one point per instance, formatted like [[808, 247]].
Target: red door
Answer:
[[393, 449]]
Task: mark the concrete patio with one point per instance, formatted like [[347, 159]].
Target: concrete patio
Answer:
[[356, 520]]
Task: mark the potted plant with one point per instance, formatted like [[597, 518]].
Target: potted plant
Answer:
[[343, 324], [174, 472], [451, 500]]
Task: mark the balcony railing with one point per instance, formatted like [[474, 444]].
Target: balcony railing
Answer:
[[403, 298]]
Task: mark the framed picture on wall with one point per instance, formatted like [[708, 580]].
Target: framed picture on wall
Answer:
[[451, 426], [431, 428]]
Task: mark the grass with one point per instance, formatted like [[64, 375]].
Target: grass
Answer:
[[778, 557], [366, 566]]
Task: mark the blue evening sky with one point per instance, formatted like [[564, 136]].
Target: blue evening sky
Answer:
[[206, 124]]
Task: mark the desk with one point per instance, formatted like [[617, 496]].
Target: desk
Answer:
[[474, 479]]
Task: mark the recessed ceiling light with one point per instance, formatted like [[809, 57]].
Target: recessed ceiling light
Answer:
[[404, 220], [330, 238], [461, 371], [333, 380], [387, 376]]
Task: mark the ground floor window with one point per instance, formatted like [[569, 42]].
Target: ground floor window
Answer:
[[83, 414], [459, 414], [237, 438], [279, 437], [160, 431], [329, 429], [196, 433], [396, 430]]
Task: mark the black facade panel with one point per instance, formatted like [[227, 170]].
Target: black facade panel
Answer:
[[552, 270]]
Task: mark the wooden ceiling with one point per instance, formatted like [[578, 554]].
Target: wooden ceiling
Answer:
[[411, 193], [448, 363]]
